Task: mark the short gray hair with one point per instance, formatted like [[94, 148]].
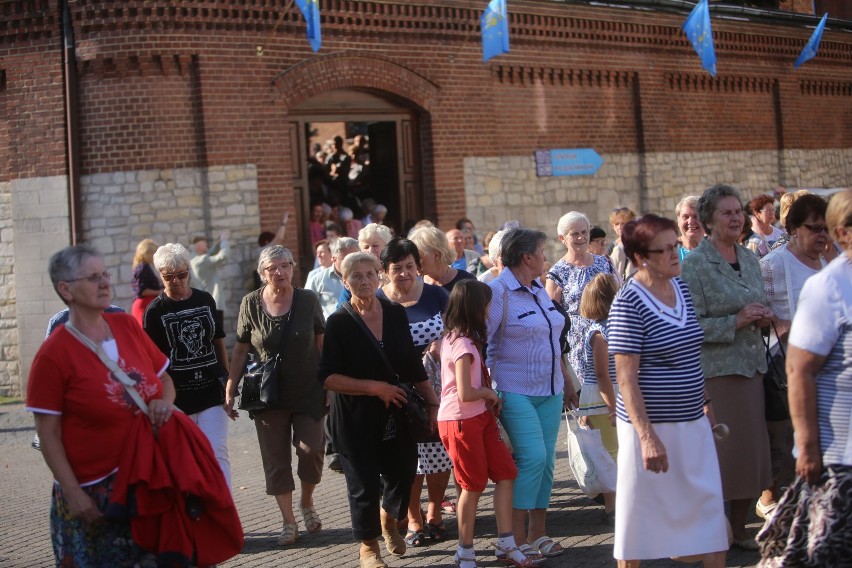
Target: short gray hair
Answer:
[[374, 230], [351, 260], [342, 243], [171, 256], [569, 219], [517, 243], [64, 265], [270, 253], [688, 201], [494, 246], [710, 199]]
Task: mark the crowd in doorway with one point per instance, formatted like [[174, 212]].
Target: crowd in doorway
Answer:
[[700, 349]]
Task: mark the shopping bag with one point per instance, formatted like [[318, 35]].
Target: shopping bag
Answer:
[[592, 466]]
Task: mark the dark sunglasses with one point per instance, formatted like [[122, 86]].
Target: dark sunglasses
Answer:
[[175, 276], [816, 228]]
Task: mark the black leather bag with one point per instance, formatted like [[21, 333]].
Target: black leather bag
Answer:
[[260, 386], [777, 407], [259, 389], [415, 412]]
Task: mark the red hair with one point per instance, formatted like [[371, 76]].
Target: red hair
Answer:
[[636, 236]]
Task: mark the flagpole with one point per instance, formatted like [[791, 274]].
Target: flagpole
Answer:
[[259, 48]]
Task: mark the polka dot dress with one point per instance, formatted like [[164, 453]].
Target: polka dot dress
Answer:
[[432, 458]]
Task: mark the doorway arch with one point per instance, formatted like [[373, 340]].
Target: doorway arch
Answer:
[[390, 101]]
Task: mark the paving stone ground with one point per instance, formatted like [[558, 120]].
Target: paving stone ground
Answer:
[[25, 535]]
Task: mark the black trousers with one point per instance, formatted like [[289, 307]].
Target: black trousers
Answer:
[[383, 471]]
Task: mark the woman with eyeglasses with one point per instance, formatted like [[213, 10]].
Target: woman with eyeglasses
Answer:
[[762, 209], [279, 318], [144, 280], [183, 322], [785, 270], [727, 289], [82, 412]]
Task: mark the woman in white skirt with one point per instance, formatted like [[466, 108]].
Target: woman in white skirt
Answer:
[[669, 495]]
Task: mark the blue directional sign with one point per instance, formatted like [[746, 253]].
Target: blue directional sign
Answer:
[[567, 162]]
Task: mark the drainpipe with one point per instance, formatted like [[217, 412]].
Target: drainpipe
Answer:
[[72, 141]]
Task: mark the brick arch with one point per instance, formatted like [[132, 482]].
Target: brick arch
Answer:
[[320, 74]]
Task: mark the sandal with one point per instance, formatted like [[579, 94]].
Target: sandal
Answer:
[[547, 546], [448, 506], [514, 557], [311, 518], [464, 561], [289, 535], [394, 542], [415, 538], [438, 532]]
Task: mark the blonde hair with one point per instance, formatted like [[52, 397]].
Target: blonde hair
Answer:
[[598, 296], [145, 252], [432, 238], [622, 215], [839, 212], [348, 264], [787, 200]]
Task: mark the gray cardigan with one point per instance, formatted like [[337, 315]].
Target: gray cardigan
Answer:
[[718, 293]]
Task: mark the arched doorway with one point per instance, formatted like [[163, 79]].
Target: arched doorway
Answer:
[[393, 131]]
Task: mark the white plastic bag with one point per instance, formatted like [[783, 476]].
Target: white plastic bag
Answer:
[[592, 466]]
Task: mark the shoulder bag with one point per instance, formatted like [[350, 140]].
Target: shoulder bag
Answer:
[[415, 411], [260, 384]]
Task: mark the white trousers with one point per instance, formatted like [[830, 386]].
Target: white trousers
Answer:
[[214, 423]]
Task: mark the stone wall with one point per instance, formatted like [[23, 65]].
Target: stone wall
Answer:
[[9, 384], [40, 221], [172, 205], [501, 188]]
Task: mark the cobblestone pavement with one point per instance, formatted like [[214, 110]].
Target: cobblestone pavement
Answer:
[[25, 490]]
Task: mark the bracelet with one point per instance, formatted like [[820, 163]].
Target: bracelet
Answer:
[[708, 401]]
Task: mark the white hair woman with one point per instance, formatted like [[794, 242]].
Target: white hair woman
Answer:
[[184, 323], [373, 238], [281, 319], [436, 258], [568, 277], [494, 256], [691, 231], [376, 450]]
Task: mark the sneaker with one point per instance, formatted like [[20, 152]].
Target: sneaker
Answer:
[[764, 511], [334, 465]]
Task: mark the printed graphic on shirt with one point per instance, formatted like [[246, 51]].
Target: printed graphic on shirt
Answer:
[[117, 394], [187, 332]]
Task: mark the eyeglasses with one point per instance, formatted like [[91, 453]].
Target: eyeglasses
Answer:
[[175, 276], [815, 228], [95, 278], [668, 250], [283, 267]]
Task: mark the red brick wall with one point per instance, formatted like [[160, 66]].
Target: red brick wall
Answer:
[[167, 84]]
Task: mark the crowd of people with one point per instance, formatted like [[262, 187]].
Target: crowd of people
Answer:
[[669, 343]]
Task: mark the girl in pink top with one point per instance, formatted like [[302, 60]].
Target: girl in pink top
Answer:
[[468, 426]]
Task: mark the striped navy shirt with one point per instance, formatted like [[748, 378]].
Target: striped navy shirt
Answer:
[[589, 376], [823, 325], [668, 341]]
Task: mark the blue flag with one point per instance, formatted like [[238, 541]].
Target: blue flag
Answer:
[[311, 12], [495, 29], [811, 48], [697, 29]]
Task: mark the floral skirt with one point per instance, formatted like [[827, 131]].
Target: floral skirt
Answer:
[[810, 526], [79, 544]]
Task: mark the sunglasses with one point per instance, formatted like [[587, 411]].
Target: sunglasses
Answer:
[[815, 228], [176, 276]]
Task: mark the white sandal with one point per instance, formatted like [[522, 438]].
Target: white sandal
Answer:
[[311, 518], [288, 535], [463, 561], [546, 545]]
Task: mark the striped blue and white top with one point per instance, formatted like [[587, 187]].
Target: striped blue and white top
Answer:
[[823, 325], [590, 378], [668, 341]]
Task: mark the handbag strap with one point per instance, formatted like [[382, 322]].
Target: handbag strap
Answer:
[[286, 330], [362, 324], [122, 377]]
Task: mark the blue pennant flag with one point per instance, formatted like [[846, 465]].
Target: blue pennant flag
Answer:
[[495, 29], [811, 48], [697, 29], [311, 11]]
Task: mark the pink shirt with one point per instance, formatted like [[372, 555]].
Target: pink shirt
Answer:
[[453, 348]]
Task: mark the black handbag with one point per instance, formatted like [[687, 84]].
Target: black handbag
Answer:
[[260, 383], [777, 407], [415, 412]]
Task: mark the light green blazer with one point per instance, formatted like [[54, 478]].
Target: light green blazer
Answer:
[[718, 293]]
